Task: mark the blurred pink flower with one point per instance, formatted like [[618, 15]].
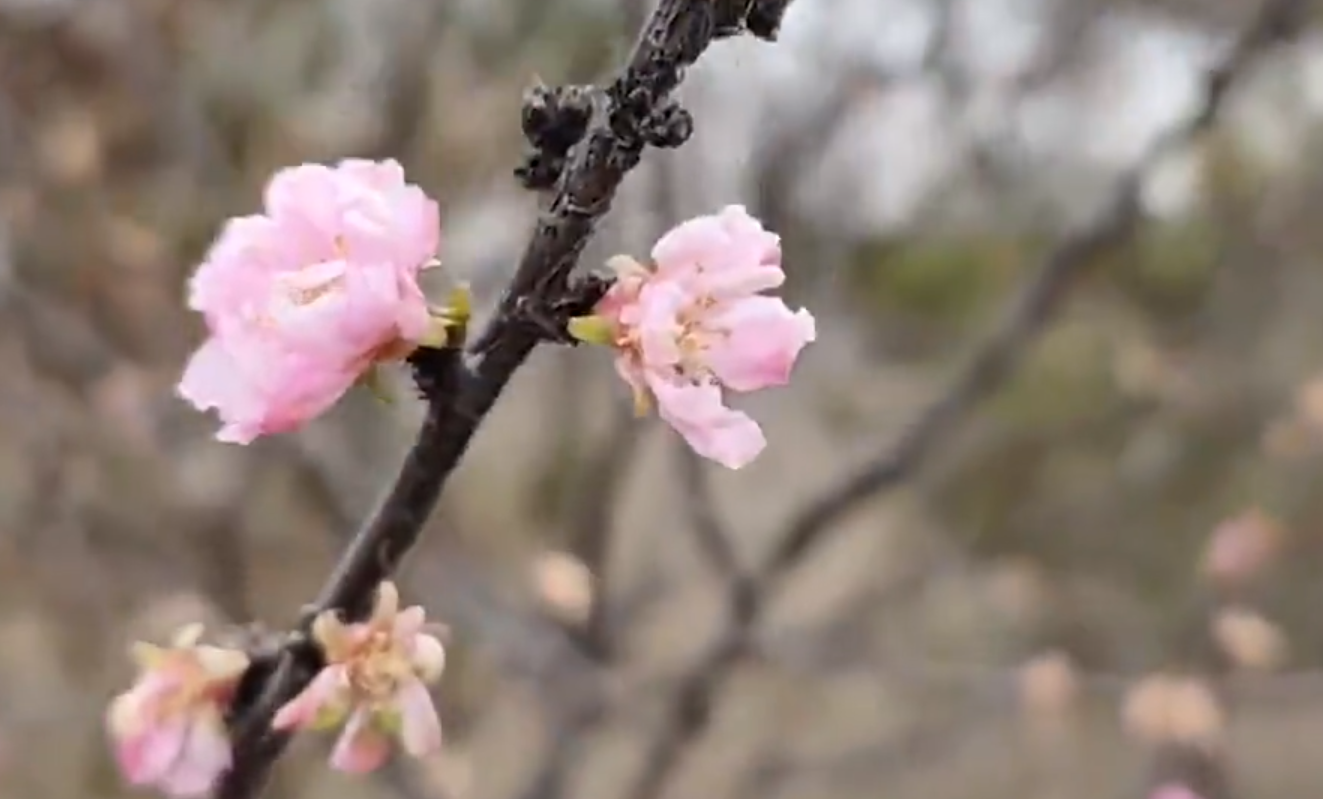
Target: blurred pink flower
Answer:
[[696, 323], [375, 683], [302, 300], [1173, 790], [168, 729]]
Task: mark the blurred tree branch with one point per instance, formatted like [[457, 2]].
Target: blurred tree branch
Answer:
[[990, 365]]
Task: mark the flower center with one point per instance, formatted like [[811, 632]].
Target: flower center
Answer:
[[305, 286], [307, 295], [378, 669], [193, 691]]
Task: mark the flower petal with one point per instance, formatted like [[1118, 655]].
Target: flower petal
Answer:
[[714, 431], [332, 634], [303, 710], [429, 657], [146, 756], [386, 607], [205, 756], [420, 730], [301, 302], [757, 342], [408, 623], [361, 748]]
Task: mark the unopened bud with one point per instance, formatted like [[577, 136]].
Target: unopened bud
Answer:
[[1169, 709], [1173, 790], [1242, 547], [1249, 640], [1049, 685], [592, 330], [564, 586], [1309, 403]]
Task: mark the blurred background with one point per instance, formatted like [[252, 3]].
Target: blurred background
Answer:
[[1103, 581]]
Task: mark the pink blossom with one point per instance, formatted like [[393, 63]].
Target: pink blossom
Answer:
[[1173, 790], [374, 683], [696, 323], [168, 729], [303, 300]]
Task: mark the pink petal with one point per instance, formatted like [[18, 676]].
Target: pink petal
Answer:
[[305, 202], [659, 329], [1174, 791], [631, 370], [421, 729], [689, 243], [380, 175], [146, 757], [725, 255], [409, 623], [386, 219], [763, 339], [133, 710], [257, 388], [212, 379], [714, 431], [206, 755], [428, 657], [763, 246], [361, 747], [303, 301], [238, 267], [302, 710]]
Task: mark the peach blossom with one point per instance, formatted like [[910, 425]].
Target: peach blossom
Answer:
[[374, 683], [168, 729], [695, 324], [303, 300]]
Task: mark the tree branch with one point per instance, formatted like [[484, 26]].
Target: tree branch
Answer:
[[635, 111], [988, 368], [700, 506]]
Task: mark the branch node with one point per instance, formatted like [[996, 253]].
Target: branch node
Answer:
[[550, 318], [553, 120], [435, 372], [669, 126], [764, 18], [264, 649]]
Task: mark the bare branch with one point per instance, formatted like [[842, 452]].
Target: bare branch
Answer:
[[764, 19], [713, 539], [590, 518], [997, 356]]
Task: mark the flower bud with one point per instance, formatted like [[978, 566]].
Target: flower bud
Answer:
[[168, 729], [374, 683]]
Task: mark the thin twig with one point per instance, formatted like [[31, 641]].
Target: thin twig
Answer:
[[700, 506], [991, 364], [590, 519], [637, 112], [997, 356]]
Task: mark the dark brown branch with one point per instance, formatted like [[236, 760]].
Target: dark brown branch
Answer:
[[636, 111], [764, 18], [988, 368]]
